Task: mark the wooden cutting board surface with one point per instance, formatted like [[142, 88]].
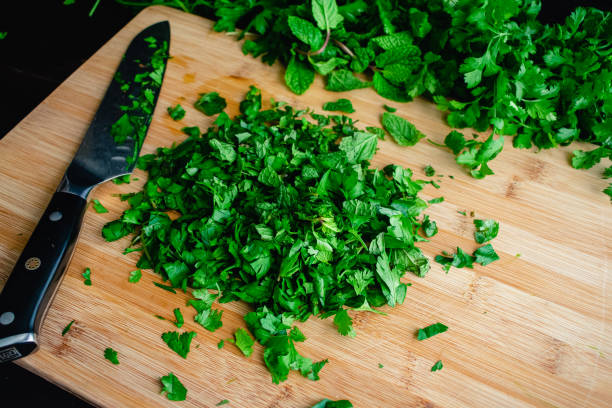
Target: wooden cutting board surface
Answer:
[[526, 331]]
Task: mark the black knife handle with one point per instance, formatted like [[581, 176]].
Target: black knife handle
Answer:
[[36, 276]]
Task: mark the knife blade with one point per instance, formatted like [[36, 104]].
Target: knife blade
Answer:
[[109, 149]]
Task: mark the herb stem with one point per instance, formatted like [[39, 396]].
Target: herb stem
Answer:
[[320, 50], [344, 48]]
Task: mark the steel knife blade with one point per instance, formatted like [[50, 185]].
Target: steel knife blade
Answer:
[[109, 149]]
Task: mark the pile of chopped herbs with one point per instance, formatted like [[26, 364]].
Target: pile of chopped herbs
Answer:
[[279, 208], [488, 63]]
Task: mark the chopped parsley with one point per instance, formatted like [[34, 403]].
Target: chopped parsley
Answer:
[[135, 276], [431, 330], [179, 318], [483, 255], [210, 103], [173, 388], [179, 343], [222, 402], [87, 277], [67, 328], [165, 287], [244, 341], [97, 205], [111, 355], [177, 112], [327, 403], [437, 366], [486, 230], [429, 171]]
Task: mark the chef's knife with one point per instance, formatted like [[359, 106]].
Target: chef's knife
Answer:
[[108, 150]]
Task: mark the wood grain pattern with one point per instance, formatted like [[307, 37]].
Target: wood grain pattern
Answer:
[[528, 331]]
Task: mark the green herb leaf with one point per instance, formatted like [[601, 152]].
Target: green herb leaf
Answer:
[[244, 341], [222, 402], [67, 328], [298, 76], [437, 366], [326, 403], [179, 343], [306, 32], [403, 132], [325, 13], [111, 355], [177, 112], [179, 318], [342, 105], [344, 323], [429, 171], [210, 319], [210, 103], [135, 276], [87, 277], [485, 255], [343, 80], [174, 389], [486, 230], [431, 330], [97, 205]]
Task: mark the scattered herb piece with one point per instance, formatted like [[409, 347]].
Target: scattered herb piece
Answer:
[[485, 255], [380, 365], [476, 154], [97, 205], [135, 276], [326, 403], [179, 343], [389, 108], [87, 277], [344, 323], [436, 200], [111, 355], [429, 171], [486, 230], [220, 344], [160, 317], [431, 330], [122, 179], [244, 341], [179, 318], [518, 255], [67, 328], [341, 105], [437, 366], [222, 402], [174, 389], [210, 319], [3, 35], [462, 213], [165, 287], [177, 112], [430, 228], [403, 132], [210, 103]]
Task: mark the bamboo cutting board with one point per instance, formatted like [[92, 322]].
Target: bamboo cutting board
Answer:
[[528, 331]]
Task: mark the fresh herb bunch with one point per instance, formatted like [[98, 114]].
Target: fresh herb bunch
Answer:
[[489, 63], [268, 208]]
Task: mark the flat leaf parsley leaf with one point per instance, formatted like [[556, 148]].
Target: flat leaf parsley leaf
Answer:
[[244, 341], [437, 366], [111, 355], [486, 230], [174, 389], [179, 343], [87, 277], [431, 330]]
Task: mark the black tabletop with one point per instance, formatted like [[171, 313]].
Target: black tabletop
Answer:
[[45, 42]]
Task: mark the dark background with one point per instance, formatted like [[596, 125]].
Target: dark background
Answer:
[[46, 42]]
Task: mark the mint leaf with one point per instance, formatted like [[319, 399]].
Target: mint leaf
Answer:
[[342, 105], [359, 147], [403, 132], [306, 32], [343, 80], [298, 76], [325, 13]]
